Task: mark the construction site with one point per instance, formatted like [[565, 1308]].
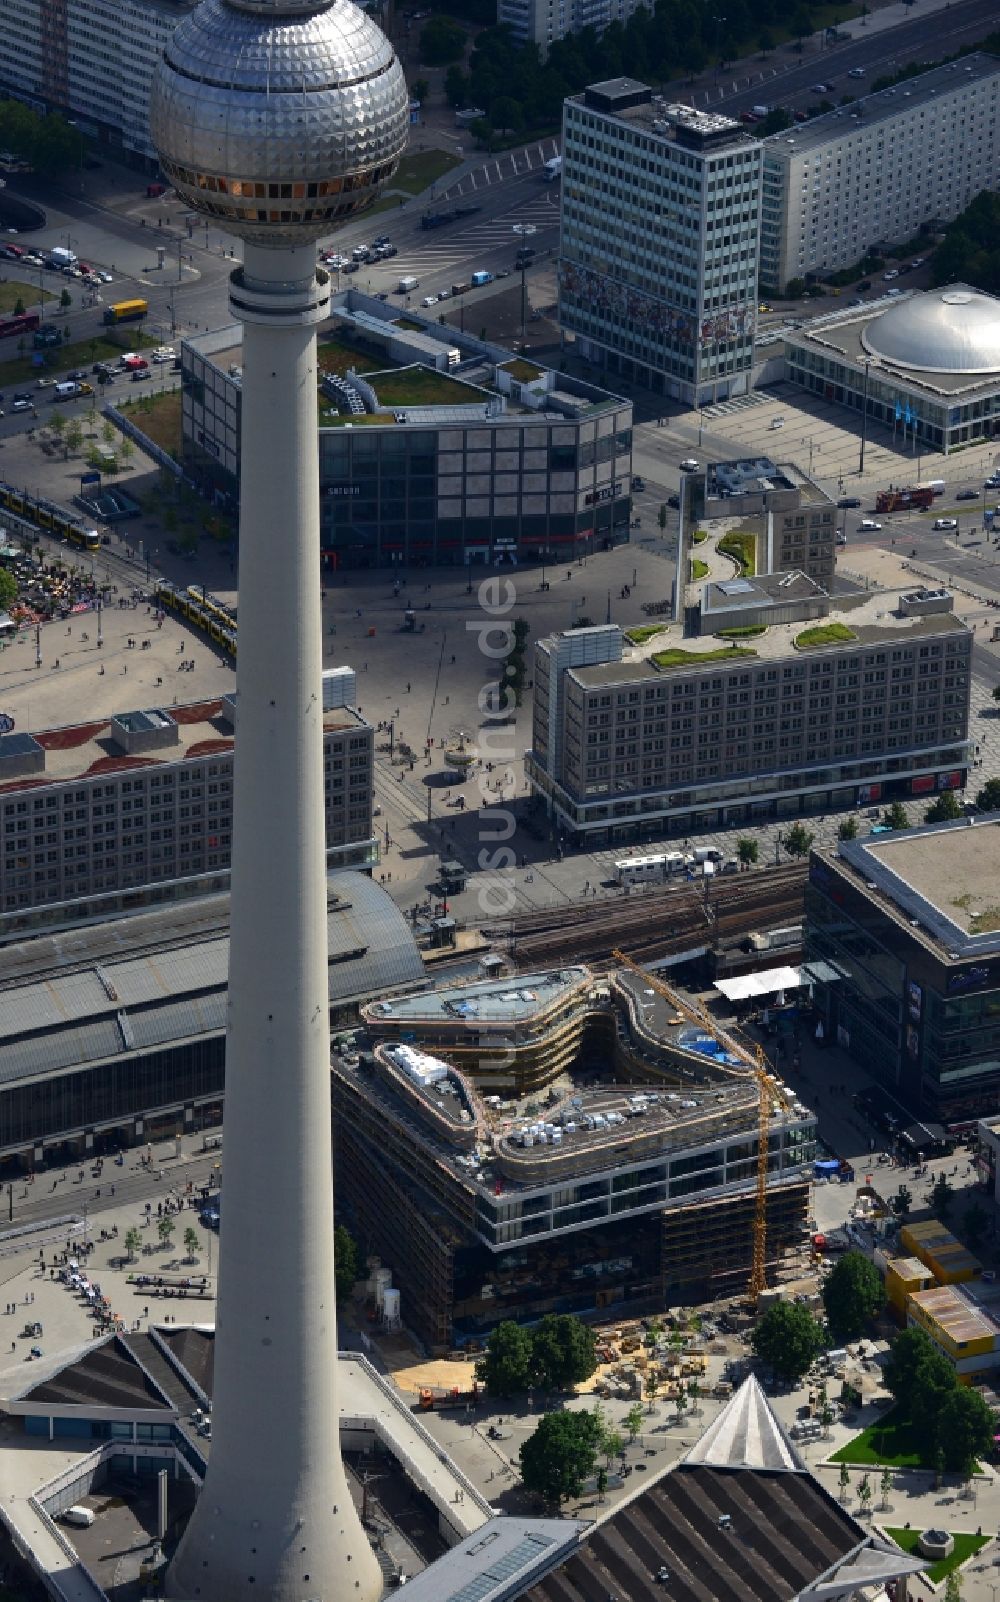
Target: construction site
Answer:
[[659, 1162]]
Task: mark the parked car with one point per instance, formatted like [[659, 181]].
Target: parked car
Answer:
[[847, 502], [690, 464], [865, 283]]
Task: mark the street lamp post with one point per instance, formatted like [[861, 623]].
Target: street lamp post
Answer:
[[524, 231], [864, 421]]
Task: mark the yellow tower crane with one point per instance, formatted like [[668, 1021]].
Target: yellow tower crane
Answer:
[[753, 1065]]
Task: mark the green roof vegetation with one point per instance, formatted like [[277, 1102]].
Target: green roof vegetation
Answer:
[[699, 570], [159, 417], [745, 631], [824, 634], [741, 545], [331, 418], [643, 632], [524, 372], [420, 386], [676, 657], [966, 1546], [334, 356]]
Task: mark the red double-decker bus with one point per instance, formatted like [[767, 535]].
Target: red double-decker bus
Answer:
[[23, 323]]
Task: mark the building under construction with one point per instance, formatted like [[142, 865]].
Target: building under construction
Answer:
[[632, 1181]]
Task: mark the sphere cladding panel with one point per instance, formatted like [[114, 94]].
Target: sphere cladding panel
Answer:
[[242, 103]]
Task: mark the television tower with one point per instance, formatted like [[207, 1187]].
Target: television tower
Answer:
[[278, 119]]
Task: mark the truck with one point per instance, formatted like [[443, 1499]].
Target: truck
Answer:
[[407, 285], [898, 500], [481, 278], [552, 170], [437, 1397], [46, 335], [126, 311], [59, 257], [438, 219]]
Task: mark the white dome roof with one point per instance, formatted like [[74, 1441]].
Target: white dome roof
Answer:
[[953, 330]]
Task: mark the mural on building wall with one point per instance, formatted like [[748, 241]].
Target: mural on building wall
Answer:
[[622, 303]]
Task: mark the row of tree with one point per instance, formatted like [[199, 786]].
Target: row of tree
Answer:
[[789, 1338], [952, 1421], [518, 90], [970, 251], [48, 143]]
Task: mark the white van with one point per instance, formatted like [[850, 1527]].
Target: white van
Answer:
[[65, 391], [777, 422], [407, 285], [82, 1517]]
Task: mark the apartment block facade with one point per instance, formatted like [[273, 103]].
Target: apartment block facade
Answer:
[[146, 797], [659, 241], [542, 22], [92, 60], [636, 746], [871, 172]]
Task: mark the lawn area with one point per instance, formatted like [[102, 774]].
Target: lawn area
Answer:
[[699, 570], [28, 294], [890, 1440], [63, 358], [824, 634], [676, 657], [421, 168], [159, 417], [643, 632], [741, 545], [966, 1546], [419, 386], [699, 536]]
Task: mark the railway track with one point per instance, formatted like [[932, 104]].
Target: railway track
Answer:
[[656, 924]]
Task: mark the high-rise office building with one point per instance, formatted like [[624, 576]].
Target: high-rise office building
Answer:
[[280, 119], [660, 233], [542, 22]]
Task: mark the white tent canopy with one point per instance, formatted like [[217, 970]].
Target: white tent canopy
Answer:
[[749, 985]]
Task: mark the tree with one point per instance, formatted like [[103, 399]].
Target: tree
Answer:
[[165, 1228], [965, 1427], [681, 1406], [910, 1349], [864, 1493], [420, 90], [651, 1387], [108, 434], [798, 840], [563, 1352], [191, 1243], [826, 1417], [795, 288], [8, 588], [126, 449], [560, 1455], [346, 1263], [845, 1481], [748, 851], [612, 1444], [788, 1339], [602, 1483], [74, 435], [894, 817], [935, 1383], [507, 1366], [19, 307], [901, 1202], [847, 829], [133, 1240], [442, 40], [953, 1587], [633, 1420], [942, 1195], [945, 809], [885, 1486], [988, 798], [58, 423], [852, 1295]]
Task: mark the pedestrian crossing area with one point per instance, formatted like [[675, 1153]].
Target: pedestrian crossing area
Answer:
[[493, 238], [495, 169]]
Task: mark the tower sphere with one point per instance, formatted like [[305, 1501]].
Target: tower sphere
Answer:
[[278, 120]]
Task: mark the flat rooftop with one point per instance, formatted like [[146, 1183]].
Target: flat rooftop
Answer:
[[961, 1317], [871, 109], [633, 101], [90, 750], [750, 475], [500, 1001], [941, 880], [876, 621], [841, 333]]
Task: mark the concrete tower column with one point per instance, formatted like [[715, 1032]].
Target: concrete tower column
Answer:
[[274, 1520]]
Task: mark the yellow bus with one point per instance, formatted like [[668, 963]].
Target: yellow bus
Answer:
[[126, 311]]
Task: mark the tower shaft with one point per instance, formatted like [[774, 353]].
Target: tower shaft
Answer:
[[274, 1521]]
